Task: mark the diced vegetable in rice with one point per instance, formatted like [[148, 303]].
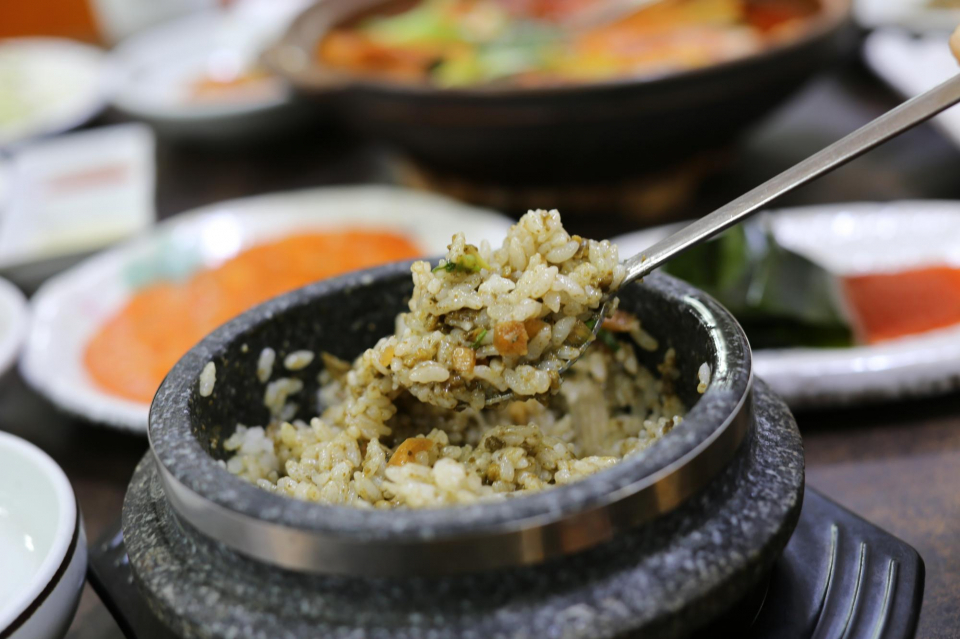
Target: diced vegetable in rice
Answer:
[[405, 425]]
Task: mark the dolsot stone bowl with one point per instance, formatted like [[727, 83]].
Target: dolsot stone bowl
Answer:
[[347, 314]]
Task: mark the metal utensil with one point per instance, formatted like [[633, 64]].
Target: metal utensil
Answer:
[[891, 124]]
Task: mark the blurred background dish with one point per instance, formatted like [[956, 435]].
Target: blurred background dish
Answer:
[[73, 194], [913, 64], [918, 15], [48, 85], [14, 320], [43, 549], [114, 20], [897, 271], [105, 330], [597, 130], [6, 182], [473, 43], [199, 76]]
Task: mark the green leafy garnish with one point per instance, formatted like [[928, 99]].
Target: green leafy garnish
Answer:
[[781, 298], [477, 343], [609, 340], [471, 262], [446, 266], [429, 22]]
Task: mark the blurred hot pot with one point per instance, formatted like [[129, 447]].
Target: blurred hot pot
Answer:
[[597, 131]]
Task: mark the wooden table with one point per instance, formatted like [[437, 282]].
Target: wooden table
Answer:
[[897, 465]]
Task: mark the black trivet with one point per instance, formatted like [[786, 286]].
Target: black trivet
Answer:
[[839, 577]]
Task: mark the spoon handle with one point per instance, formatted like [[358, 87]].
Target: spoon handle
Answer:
[[891, 124]]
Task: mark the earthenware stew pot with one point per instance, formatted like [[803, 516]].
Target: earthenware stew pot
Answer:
[[557, 135], [343, 316]]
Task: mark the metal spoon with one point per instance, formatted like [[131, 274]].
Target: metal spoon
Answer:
[[893, 123]]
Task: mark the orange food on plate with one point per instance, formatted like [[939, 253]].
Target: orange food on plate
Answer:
[[251, 85], [133, 351], [890, 305]]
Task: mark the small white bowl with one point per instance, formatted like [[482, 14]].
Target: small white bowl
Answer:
[[43, 548], [58, 85]]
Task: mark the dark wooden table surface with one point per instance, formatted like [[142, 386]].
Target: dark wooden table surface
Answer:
[[897, 465]]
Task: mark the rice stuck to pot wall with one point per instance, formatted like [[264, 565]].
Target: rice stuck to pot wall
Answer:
[[405, 424]]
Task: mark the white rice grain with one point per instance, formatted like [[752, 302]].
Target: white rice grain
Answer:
[[208, 377], [298, 360], [265, 364], [563, 253], [426, 372], [703, 377]]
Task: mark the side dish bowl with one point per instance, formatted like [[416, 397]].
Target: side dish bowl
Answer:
[[557, 134], [347, 314], [43, 550]]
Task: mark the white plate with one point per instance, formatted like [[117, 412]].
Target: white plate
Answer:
[[156, 68], [912, 65], [73, 194], [14, 319], [48, 85], [69, 308], [849, 239], [917, 15]]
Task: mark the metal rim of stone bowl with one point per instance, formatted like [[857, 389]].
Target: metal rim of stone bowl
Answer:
[[331, 539]]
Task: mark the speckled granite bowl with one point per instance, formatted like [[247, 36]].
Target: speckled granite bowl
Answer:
[[677, 575], [347, 314]]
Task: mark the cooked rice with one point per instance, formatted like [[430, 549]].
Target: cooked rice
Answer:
[[265, 364], [208, 377], [391, 433], [297, 360], [703, 378], [488, 321]]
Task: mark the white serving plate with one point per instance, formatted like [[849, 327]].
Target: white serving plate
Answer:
[[43, 549], [71, 195], [70, 307], [850, 239], [916, 15], [60, 83], [913, 65], [155, 69], [14, 319]]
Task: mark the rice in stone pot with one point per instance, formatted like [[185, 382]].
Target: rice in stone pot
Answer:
[[405, 425]]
